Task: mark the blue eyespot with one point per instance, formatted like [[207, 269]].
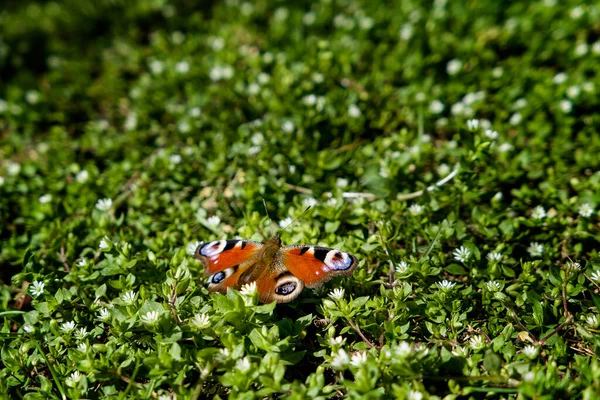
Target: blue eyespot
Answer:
[[286, 288], [218, 277]]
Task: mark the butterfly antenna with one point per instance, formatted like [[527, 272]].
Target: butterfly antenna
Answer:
[[295, 219], [266, 210]]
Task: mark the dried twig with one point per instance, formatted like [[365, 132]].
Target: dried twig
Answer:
[[371, 196]]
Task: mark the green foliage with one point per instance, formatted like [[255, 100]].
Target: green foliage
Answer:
[[132, 130]]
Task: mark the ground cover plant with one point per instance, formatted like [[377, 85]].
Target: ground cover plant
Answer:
[[132, 130]]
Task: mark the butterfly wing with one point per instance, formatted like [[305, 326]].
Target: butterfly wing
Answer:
[[225, 260], [315, 265]]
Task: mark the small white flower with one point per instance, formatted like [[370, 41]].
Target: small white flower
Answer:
[[175, 159], [354, 111], [129, 297], [574, 265], [32, 97], [436, 107], [559, 78], [337, 294], [443, 169], [494, 256], [216, 74], [104, 314], [529, 376], [257, 139], [566, 106], [446, 285], [573, 92], [81, 333], [227, 72], [535, 249], [157, 67], [530, 351], [36, 288], [201, 321], [182, 67], [586, 210], [458, 108], [243, 365], [309, 18], [223, 354], [515, 119], [341, 182], [460, 352], [493, 286], [461, 254], [520, 103], [285, 222], [538, 213], [214, 220], [104, 243], [592, 321], [82, 347], [248, 289], [453, 66], [497, 72], [332, 202], [254, 150], [253, 89], [384, 172], [504, 147], [104, 205], [310, 100], [1, 180], [577, 12], [75, 376], [288, 127], [402, 267], [184, 127], [67, 327], [309, 202], [217, 43], [340, 359], [28, 328], [195, 112], [406, 31], [150, 318], [595, 276], [82, 176], [415, 209], [191, 247], [415, 395], [403, 350], [263, 78], [359, 358], [336, 341], [477, 342], [13, 168], [491, 134], [473, 124], [45, 199]]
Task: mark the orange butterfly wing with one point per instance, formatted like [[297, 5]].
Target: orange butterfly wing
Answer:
[[222, 260], [316, 265]]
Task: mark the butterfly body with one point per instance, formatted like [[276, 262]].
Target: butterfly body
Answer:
[[280, 272]]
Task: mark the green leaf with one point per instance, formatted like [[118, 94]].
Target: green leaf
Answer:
[[456, 269], [492, 362]]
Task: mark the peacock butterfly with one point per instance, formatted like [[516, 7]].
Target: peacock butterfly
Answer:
[[280, 272]]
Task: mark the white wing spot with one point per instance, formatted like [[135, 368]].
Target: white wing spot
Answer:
[[213, 248], [338, 260]]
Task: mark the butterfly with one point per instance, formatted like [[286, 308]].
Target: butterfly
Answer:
[[280, 272]]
